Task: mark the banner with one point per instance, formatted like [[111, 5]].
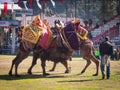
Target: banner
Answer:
[[9, 23]]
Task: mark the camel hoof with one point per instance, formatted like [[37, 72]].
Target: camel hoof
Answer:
[[67, 71], [51, 70], [95, 74], [45, 74], [29, 73], [10, 73], [82, 72]]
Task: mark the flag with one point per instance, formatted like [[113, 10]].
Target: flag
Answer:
[[39, 5], [25, 2], [18, 2], [5, 7], [53, 3], [44, 3], [61, 0], [31, 1]]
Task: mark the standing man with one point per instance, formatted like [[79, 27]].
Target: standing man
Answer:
[[106, 50]]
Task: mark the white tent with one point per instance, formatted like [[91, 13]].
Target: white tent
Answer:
[[8, 1]]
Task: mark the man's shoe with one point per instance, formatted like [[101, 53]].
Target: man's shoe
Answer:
[[103, 76], [108, 77]]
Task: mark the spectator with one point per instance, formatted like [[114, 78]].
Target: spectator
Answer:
[[117, 54], [86, 23], [106, 50], [90, 35], [90, 22], [118, 9], [97, 53], [113, 55], [104, 21], [0, 48], [118, 25], [96, 26]]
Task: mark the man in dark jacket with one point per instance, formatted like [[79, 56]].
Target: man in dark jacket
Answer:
[[106, 50]]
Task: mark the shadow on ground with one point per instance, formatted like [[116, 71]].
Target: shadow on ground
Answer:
[[83, 80], [34, 76]]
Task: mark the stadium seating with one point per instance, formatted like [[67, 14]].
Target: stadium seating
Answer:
[[108, 29]]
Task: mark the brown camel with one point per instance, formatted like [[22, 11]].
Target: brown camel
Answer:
[[57, 54], [86, 47], [70, 33]]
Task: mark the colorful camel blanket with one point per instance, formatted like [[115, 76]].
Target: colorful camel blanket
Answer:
[[38, 32], [72, 32]]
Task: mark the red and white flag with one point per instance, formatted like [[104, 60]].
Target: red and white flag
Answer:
[[44, 3], [53, 3], [25, 5], [5, 7], [61, 0], [31, 1], [38, 3]]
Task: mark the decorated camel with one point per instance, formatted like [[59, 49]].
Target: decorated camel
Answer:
[[70, 37]]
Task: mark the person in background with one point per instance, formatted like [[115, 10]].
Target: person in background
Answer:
[[96, 26], [114, 54], [117, 54], [90, 22], [59, 25], [97, 53], [106, 50]]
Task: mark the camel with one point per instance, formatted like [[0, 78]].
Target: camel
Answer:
[[57, 54], [86, 47]]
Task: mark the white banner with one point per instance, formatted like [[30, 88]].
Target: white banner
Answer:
[[8, 1]]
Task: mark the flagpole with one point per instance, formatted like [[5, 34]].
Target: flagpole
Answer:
[[13, 31], [66, 10], [71, 15], [75, 8], [43, 13]]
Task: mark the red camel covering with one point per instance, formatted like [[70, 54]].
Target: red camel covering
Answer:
[[38, 32]]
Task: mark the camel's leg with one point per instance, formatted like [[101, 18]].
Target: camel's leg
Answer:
[[16, 67], [87, 64], [13, 62], [66, 66], [65, 63], [34, 61], [96, 61], [43, 64], [21, 57], [54, 65]]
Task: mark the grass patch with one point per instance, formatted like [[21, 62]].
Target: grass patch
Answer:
[[57, 80]]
